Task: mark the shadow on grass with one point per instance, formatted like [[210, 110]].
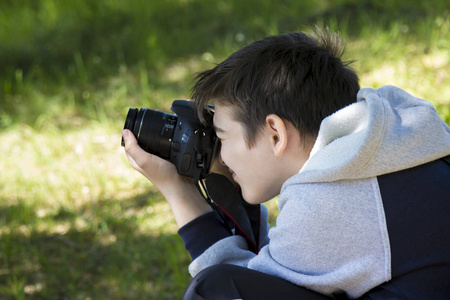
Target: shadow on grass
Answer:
[[89, 254]]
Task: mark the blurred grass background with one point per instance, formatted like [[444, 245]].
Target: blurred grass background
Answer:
[[76, 222]]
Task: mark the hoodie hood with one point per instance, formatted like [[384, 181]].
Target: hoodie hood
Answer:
[[386, 130]]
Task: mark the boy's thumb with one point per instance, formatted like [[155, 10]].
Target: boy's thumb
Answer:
[[127, 137], [125, 134]]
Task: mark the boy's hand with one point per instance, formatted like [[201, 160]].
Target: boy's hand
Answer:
[[159, 171], [185, 200]]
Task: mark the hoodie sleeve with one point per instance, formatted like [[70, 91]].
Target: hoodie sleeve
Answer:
[[231, 249], [196, 239]]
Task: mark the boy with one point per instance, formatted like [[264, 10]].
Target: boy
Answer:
[[361, 175]]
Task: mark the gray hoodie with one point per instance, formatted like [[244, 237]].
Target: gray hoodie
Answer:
[[331, 233]]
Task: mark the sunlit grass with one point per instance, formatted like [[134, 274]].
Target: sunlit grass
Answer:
[[418, 63], [70, 202]]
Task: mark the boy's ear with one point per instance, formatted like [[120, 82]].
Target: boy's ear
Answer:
[[277, 132]]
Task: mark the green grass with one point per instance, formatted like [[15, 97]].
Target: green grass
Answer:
[[76, 221]]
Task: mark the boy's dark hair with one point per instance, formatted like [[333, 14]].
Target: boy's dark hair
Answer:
[[297, 76]]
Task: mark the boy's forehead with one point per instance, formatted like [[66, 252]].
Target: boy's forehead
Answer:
[[222, 116]]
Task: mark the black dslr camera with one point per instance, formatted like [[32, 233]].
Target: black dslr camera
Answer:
[[179, 138]]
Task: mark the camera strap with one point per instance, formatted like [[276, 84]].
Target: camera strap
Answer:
[[223, 197], [198, 181], [228, 199]]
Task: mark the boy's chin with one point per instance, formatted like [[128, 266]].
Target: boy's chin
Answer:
[[252, 198]]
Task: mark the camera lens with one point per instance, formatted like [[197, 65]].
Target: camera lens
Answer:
[[153, 130]]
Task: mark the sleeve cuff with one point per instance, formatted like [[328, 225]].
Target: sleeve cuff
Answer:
[[202, 232]]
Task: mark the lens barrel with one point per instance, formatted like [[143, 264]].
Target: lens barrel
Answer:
[[153, 130]]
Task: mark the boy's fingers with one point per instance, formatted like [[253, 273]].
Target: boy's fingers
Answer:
[[151, 166]]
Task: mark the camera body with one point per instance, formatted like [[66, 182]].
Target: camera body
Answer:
[[179, 138]]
